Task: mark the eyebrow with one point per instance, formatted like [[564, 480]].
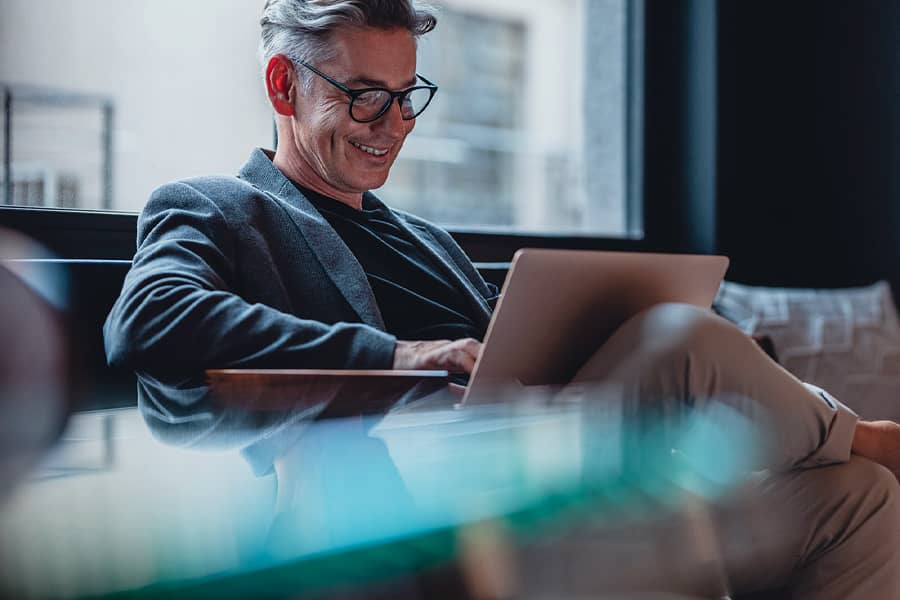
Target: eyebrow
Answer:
[[378, 83]]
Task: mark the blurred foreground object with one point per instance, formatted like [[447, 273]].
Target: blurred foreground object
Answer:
[[205, 496], [34, 360]]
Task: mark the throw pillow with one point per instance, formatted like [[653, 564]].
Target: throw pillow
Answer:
[[846, 341]]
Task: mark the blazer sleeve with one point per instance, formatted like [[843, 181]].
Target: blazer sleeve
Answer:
[[177, 311]]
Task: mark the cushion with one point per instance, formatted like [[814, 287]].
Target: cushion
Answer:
[[846, 341]]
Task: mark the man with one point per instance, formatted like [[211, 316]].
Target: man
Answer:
[[295, 264]]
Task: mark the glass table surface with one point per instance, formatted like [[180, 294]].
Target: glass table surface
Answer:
[[192, 495]]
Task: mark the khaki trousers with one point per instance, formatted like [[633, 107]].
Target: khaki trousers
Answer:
[[820, 522], [813, 519]]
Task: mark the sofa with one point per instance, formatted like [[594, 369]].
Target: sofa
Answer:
[[846, 341]]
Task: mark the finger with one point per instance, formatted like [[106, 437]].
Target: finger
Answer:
[[468, 364], [469, 345], [472, 343], [470, 348], [457, 356], [448, 358], [465, 360]]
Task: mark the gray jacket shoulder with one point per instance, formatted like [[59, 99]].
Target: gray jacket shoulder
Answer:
[[219, 198], [226, 192]]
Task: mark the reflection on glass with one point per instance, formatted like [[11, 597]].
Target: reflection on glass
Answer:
[[217, 491]]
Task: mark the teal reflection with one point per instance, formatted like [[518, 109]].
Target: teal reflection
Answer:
[[362, 497]]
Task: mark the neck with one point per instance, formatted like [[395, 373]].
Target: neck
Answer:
[[300, 172]]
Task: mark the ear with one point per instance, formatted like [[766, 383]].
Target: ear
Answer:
[[280, 85]]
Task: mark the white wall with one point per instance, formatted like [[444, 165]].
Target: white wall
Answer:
[[183, 74]]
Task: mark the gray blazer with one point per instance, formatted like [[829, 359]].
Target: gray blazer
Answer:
[[245, 272]]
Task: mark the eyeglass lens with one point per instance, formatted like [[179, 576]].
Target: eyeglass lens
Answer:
[[368, 105]]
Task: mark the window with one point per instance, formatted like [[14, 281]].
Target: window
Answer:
[[63, 148], [528, 133]]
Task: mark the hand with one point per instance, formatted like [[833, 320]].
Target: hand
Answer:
[[878, 441], [456, 356]]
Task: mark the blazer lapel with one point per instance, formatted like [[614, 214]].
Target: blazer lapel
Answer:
[[334, 255]]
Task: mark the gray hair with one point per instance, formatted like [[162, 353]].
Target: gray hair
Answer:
[[301, 29]]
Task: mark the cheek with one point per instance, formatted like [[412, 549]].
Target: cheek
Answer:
[[328, 124]]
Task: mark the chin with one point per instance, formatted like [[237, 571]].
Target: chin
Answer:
[[371, 183]]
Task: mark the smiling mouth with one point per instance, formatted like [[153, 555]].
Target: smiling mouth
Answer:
[[370, 149]]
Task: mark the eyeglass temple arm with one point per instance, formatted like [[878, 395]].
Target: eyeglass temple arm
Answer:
[[434, 85]]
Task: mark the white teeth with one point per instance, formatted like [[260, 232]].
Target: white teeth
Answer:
[[370, 150]]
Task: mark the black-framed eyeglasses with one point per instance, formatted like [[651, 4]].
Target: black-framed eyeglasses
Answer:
[[370, 104]]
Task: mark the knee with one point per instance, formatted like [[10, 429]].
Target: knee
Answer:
[[884, 492], [870, 489], [682, 329], [865, 477], [660, 345]]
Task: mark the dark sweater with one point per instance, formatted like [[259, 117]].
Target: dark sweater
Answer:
[[417, 300]]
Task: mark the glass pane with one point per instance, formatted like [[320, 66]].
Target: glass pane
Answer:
[[367, 105], [416, 101], [527, 132], [507, 143]]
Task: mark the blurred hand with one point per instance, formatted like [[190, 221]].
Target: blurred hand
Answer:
[[456, 356]]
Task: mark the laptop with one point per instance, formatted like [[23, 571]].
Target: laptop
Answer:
[[558, 306]]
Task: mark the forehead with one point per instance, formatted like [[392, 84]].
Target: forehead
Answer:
[[379, 55]]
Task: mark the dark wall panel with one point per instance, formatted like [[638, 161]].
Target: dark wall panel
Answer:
[[809, 141], [680, 124]]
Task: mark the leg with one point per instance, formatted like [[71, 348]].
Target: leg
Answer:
[[674, 358], [829, 532]]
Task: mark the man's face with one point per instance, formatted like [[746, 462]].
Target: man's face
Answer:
[[330, 141]]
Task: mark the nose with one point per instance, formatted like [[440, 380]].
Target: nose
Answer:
[[392, 121]]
